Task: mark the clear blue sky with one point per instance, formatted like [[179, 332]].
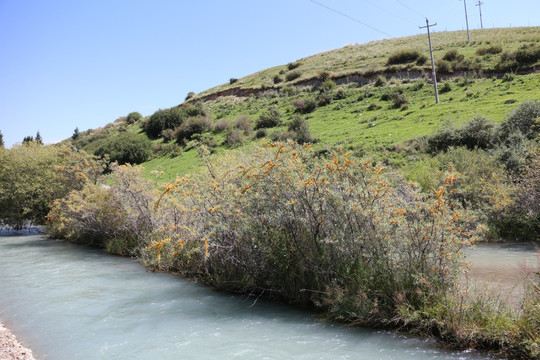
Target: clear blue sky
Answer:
[[67, 64]]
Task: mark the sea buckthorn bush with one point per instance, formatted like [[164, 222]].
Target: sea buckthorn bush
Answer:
[[334, 233]]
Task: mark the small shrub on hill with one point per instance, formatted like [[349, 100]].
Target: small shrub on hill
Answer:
[[381, 81], [453, 55], [491, 50], [235, 138], [421, 60], [443, 67], [268, 119], [447, 87], [133, 117], [277, 79], [293, 75], [126, 148], [294, 65], [299, 130], [221, 126], [164, 119], [244, 123], [304, 106], [192, 126], [403, 57]]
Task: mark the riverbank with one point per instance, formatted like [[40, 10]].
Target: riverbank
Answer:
[[10, 348]]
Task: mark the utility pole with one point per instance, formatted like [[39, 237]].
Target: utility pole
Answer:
[[467, 22], [433, 73], [479, 4]]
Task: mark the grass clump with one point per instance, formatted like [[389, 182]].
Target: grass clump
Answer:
[[403, 57]]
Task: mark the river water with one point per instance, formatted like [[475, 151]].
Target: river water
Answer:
[[66, 301]]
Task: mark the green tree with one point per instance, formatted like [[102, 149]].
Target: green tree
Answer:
[[32, 176], [76, 134], [1, 140], [38, 139]]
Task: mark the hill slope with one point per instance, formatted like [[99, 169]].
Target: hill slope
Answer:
[[364, 98]]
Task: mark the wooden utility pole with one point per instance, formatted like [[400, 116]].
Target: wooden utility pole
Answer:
[[433, 73], [467, 22], [479, 4]]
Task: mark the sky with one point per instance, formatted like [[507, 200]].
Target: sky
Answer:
[[68, 64]]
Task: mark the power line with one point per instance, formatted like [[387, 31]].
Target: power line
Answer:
[[388, 12], [410, 8], [351, 18]]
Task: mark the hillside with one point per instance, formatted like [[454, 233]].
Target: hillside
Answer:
[[363, 98]]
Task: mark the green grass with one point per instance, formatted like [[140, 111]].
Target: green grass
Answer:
[[362, 122], [372, 57], [349, 124]]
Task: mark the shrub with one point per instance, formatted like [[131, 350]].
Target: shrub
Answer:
[[324, 75], [293, 75], [299, 130], [268, 119], [374, 106], [164, 119], [443, 67], [235, 138], [477, 133], [328, 85], [527, 55], [324, 99], [120, 216], [304, 106], [403, 57], [221, 126], [340, 94], [493, 50], [261, 133], [445, 88], [133, 117], [452, 55], [168, 135], [277, 79], [523, 119], [232, 80], [289, 91], [421, 60], [126, 148], [381, 81], [32, 176], [294, 65], [192, 126], [190, 95], [336, 227], [507, 77], [399, 100], [243, 123]]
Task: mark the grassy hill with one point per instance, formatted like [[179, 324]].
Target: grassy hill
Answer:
[[362, 98]]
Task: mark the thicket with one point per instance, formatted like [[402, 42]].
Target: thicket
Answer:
[[125, 148], [171, 118], [331, 232], [32, 176]]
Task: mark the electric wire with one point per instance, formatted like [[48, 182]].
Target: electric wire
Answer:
[[388, 12], [410, 8], [351, 18]]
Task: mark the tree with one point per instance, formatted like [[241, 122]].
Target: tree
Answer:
[[32, 176], [1, 140], [76, 134], [28, 139], [38, 139]]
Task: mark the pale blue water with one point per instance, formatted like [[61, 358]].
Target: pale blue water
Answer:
[[66, 301]]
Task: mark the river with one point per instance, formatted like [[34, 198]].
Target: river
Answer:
[[66, 301]]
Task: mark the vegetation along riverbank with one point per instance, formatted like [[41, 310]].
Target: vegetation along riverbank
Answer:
[[351, 194]]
